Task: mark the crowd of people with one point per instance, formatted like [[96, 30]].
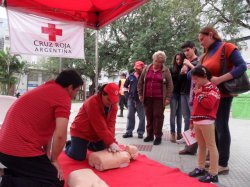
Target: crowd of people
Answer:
[[36, 124], [190, 86]]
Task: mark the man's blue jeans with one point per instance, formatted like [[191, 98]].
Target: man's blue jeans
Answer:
[[133, 107], [223, 138], [175, 113], [186, 110]]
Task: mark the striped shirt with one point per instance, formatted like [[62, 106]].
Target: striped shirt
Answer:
[[30, 122]]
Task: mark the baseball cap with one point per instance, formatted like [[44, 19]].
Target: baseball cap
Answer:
[[139, 65], [112, 90]]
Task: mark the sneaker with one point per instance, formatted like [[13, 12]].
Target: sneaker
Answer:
[[127, 135], [157, 141], [197, 172], [148, 139], [140, 136], [223, 170], [181, 141], [172, 137], [209, 178]]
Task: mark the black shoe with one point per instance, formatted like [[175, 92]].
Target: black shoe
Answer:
[[120, 115], [148, 139], [140, 136], [197, 172], [185, 152], [157, 141], [209, 178], [127, 135], [68, 143]]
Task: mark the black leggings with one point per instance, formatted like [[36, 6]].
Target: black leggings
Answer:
[[29, 172]]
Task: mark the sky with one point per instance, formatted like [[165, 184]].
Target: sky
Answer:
[[3, 13]]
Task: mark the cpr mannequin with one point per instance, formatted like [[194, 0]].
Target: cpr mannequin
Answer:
[[104, 160], [85, 178]]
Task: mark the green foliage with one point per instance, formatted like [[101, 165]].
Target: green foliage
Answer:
[[158, 25], [9, 64], [228, 15]]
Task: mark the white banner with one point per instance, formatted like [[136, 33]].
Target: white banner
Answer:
[[40, 36]]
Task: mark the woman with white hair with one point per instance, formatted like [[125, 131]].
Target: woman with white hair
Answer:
[[155, 89]]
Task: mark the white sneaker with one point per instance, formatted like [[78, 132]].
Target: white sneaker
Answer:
[[181, 141]]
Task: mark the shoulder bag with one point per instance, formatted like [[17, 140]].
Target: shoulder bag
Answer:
[[236, 85]]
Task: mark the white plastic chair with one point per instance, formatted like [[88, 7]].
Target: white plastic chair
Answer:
[[5, 102]]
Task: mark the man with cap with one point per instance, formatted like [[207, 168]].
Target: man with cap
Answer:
[[134, 104], [94, 126]]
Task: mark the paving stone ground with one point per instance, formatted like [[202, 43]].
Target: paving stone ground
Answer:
[[167, 152]]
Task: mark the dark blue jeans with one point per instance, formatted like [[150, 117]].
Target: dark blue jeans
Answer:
[[223, 138], [77, 148], [133, 107], [186, 110], [175, 113]]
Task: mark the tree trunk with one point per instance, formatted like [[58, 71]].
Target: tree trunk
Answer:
[[92, 86]]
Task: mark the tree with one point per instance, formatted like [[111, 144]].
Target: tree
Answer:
[[9, 64], [159, 25], [228, 15]]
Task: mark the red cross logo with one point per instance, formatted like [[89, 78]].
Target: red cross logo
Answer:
[[52, 31], [193, 134]]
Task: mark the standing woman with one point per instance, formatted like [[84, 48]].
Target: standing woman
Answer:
[[213, 45], [155, 89], [175, 103]]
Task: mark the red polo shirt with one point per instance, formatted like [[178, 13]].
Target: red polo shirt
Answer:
[[30, 122]]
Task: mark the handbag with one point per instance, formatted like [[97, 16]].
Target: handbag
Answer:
[[236, 85]]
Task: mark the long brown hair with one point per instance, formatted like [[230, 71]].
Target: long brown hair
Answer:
[[206, 30], [174, 64]]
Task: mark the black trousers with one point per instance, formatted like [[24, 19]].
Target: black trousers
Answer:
[[122, 102], [29, 172], [223, 137]]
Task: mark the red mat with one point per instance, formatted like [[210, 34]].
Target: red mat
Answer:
[[142, 172]]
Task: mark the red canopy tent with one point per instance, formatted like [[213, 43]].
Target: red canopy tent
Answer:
[[94, 13]]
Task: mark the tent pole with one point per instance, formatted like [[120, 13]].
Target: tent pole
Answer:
[[96, 61], [60, 64]]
